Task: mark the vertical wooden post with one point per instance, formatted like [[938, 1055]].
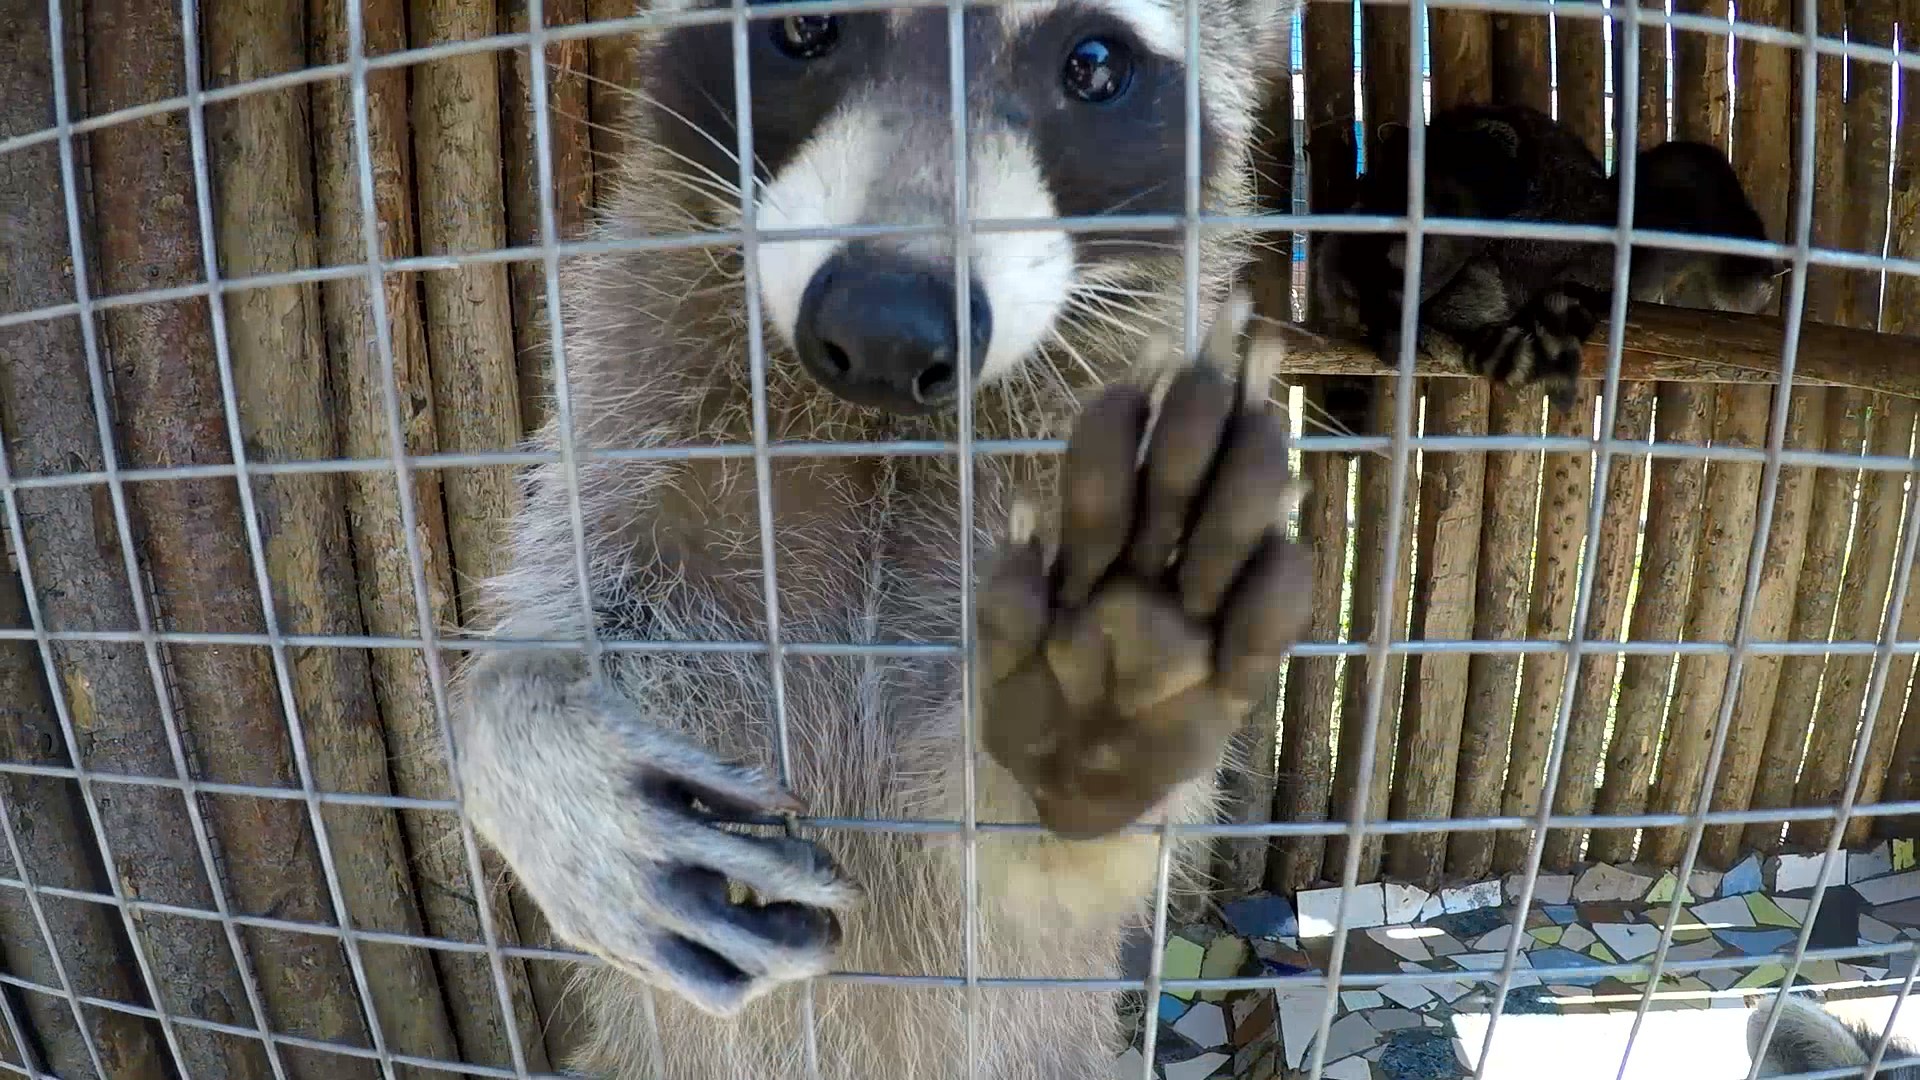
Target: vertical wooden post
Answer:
[[1511, 492], [1448, 533], [569, 126], [1303, 790], [42, 389], [1566, 481], [1827, 492], [1387, 50]]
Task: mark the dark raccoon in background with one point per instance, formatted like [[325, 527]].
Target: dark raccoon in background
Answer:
[[1690, 187], [1520, 309]]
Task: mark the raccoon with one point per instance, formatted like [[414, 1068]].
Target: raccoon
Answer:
[[1808, 1038], [1144, 592], [1517, 309], [1690, 187]]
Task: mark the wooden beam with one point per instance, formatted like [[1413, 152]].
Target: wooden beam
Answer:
[[1672, 345]]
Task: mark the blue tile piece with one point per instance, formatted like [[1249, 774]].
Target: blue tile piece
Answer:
[[1171, 1047], [1171, 1008], [1551, 963], [1275, 967], [1561, 914], [1744, 878], [1261, 917], [1467, 925], [1757, 942], [1419, 1054]]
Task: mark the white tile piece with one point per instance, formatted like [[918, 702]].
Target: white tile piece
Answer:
[[1355, 1000], [1353, 1068], [1578, 938], [1803, 872], [1317, 909], [1720, 978], [1629, 941], [1731, 911], [1547, 888], [1205, 1024], [1495, 940], [1603, 882], [1368, 907], [1351, 1034], [1879, 933], [1553, 889], [1450, 991], [1299, 1020], [1796, 908], [1887, 890], [1483, 894], [1408, 995], [1197, 1068], [1403, 902], [1130, 1065], [1432, 909], [1862, 865], [1704, 884], [1406, 942]]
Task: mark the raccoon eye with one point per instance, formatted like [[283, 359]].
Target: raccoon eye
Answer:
[[1097, 70], [807, 37]]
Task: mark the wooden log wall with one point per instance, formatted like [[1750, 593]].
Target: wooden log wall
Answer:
[[1499, 536], [1490, 547]]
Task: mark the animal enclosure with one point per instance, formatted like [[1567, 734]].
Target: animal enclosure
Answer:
[[275, 284]]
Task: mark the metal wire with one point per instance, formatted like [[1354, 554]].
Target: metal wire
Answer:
[[1379, 649]]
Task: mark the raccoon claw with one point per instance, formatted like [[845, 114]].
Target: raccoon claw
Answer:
[[1120, 670], [727, 952], [641, 862]]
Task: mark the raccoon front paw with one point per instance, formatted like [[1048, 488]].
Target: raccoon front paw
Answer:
[[1542, 345], [1118, 669], [625, 847]]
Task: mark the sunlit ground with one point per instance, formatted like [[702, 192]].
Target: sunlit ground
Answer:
[[1698, 1044]]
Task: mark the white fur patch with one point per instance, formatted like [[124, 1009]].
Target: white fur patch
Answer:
[[1026, 275]]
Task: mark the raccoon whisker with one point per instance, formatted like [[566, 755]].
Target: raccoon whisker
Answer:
[[1099, 289], [1074, 353], [1138, 194], [1316, 415], [1114, 241], [1083, 306], [701, 185], [1292, 328], [1115, 304]]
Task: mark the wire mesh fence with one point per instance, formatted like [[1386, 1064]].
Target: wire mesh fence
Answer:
[[254, 468]]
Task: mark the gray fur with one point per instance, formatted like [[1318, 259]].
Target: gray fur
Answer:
[[1808, 1038], [580, 778]]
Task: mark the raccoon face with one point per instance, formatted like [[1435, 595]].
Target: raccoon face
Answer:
[[1073, 108]]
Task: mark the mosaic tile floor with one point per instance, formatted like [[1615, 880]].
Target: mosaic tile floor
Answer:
[[1747, 920]]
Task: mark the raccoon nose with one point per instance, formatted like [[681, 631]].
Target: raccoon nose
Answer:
[[877, 330]]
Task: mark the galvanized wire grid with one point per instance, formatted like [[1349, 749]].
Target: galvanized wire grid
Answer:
[[1629, 23]]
